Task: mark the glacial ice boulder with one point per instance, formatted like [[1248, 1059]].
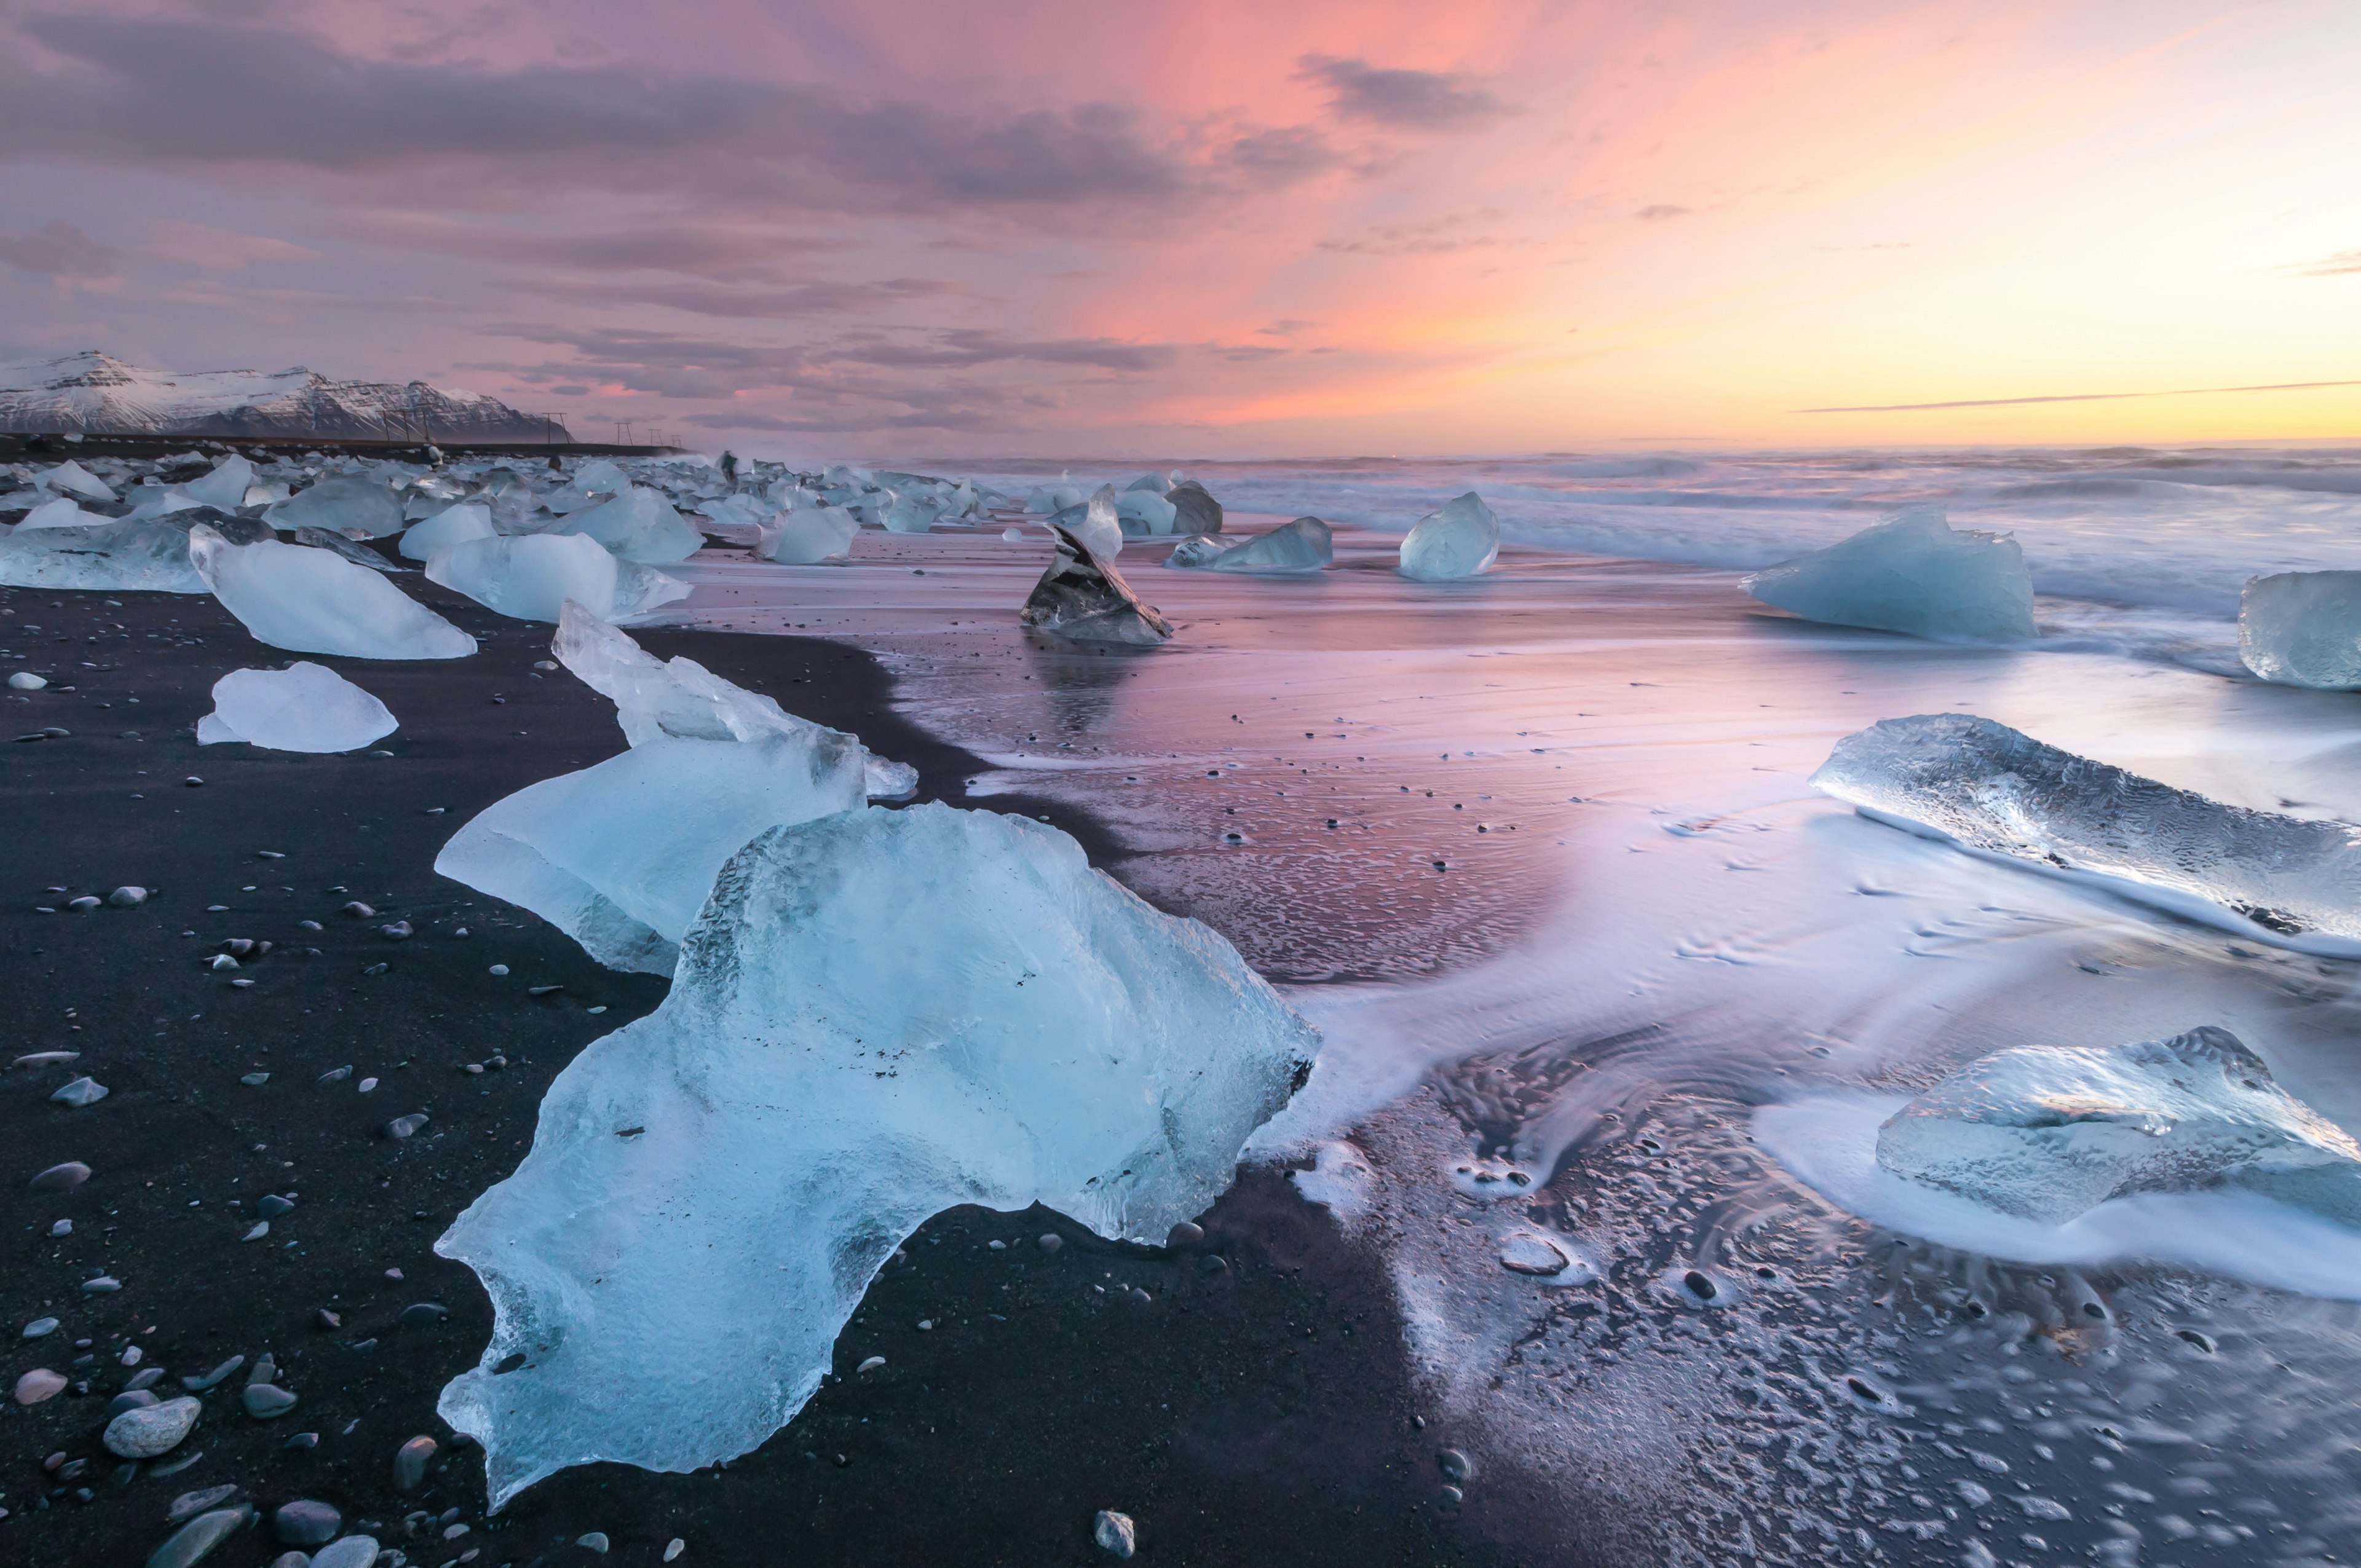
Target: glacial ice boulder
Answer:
[[1302, 545], [910, 511], [533, 575], [60, 511], [353, 505], [1458, 539], [2048, 1132], [149, 557], [1145, 514], [451, 525], [1084, 599], [1095, 522], [711, 1189], [1197, 552], [303, 707], [310, 601], [1913, 572], [2299, 629], [1156, 484], [225, 486], [1996, 791], [807, 536], [345, 545], [1194, 510], [70, 478], [620, 855], [637, 524]]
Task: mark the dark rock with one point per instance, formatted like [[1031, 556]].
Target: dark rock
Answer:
[[59, 1177], [199, 1535], [306, 1522], [424, 1315]]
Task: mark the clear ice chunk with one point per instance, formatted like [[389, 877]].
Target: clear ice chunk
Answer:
[[1302, 545], [711, 1189], [451, 525], [1095, 522], [351, 504], [2046, 1132], [1194, 511], [149, 557], [637, 524], [1154, 483], [310, 601], [60, 511], [531, 576], [352, 550], [1456, 540], [303, 707], [1995, 792], [70, 478], [1084, 599], [807, 536], [1913, 572], [225, 486], [909, 511], [2298, 629], [1145, 513]]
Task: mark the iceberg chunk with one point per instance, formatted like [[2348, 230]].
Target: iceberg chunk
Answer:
[[351, 504], [451, 525], [533, 575], [310, 601], [620, 855], [150, 556], [1996, 791], [225, 486], [1302, 545], [2299, 629], [1914, 573], [724, 1177], [1194, 511], [1156, 484], [1196, 551], [303, 707], [637, 524], [1145, 513], [352, 550], [1457, 540], [805, 537], [1083, 599], [910, 511], [2049, 1132], [1095, 522], [70, 478], [60, 511]]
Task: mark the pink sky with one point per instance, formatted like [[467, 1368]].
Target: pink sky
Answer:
[[1216, 229]]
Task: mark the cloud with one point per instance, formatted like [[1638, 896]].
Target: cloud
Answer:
[[2342, 264], [1436, 237], [967, 348], [2074, 398], [1659, 211], [1282, 155], [57, 250], [1407, 99], [788, 303], [1286, 326]]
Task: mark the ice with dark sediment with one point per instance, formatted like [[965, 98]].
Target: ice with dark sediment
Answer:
[[1913, 572], [1459, 539], [451, 525], [807, 536], [353, 505], [311, 601], [303, 707], [620, 855], [1996, 791], [2047, 1133], [638, 524], [149, 556], [70, 478], [723, 1178], [1084, 599], [345, 545], [1303, 545], [1194, 510], [2303, 629], [1095, 522], [531, 576]]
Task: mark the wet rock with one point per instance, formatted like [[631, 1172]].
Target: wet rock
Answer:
[[39, 1384], [405, 1126], [40, 1327], [194, 1539], [410, 1464], [306, 1522], [1051, 1241], [353, 1552], [148, 1379], [1115, 1532], [103, 1285], [595, 1541], [189, 1504], [424, 1315], [674, 1548], [1455, 1464], [128, 897], [1186, 1233], [397, 931], [129, 1400], [267, 1401], [270, 1205], [199, 1385], [60, 1177], [1083, 599], [155, 1430]]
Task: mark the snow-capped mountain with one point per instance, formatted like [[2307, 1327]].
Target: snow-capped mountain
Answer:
[[92, 393]]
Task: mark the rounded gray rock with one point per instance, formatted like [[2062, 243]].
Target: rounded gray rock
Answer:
[[306, 1522], [410, 1465], [128, 897], [59, 1177], [353, 1552], [267, 1401], [197, 1538], [1115, 1532], [151, 1429]]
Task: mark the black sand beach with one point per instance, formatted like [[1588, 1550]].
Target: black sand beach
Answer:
[[1256, 1409]]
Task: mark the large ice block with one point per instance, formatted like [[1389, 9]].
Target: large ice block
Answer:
[[531, 576], [60, 511], [1913, 572], [1145, 513], [70, 478], [225, 486], [2299, 629], [303, 707], [451, 525], [711, 1189], [2048, 1132], [637, 524], [149, 557], [1291, 548], [310, 601], [1458, 539], [1994, 791], [807, 535], [353, 505], [1084, 599], [1194, 510]]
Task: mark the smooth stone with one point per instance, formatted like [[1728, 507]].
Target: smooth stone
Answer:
[[595, 1540], [199, 1385], [62, 1228], [40, 1327], [101, 1286], [265, 1370], [153, 1431], [1115, 1532], [405, 1126], [1453, 1464], [270, 1205], [302, 1439], [189, 1504], [306, 1522], [199, 1536], [37, 1385], [148, 1379], [424, 1315], [674, 1548], [130, 1399], [59, 1177], [291, 1559], [128, 897], [177, 1464], [410, 1464], [1052, 1241], [260, 1229], [254, 1079], [267, 1401], [1186, 1233], [353, 1552], [80, 1092]]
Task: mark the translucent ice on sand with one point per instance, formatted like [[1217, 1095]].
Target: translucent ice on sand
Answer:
[[225, 486], [1095, 522], [1915, 574], [1144, 512], [1084, 599], [723, 1178], [149, 556], [349, 548], [303, 707], [453, 525], [1457, 540], [910, 511], [353, 505], [637, 524], [1993, 791], [1194, 511], [70, 478], [620, 855], [533, 575], [60, 511], [1303, 545], [310, 601], [2299, 629], [2049, 1132], [807, 535]]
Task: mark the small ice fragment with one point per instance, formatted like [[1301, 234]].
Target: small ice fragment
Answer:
[[1913, 572], [26, 681], [531, 576], [1012, 536], [453, 525], [309, 601], [638, 524], [2298, 629], [1458, 540], [1526, 1252], [60, 513], [807, 536], [1115, 1533], [1083, 599], [225, 486], [80, 1092], [814, 1087], [353, 505], [70, 478], [303, 707]]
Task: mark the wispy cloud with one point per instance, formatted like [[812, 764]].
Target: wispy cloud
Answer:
[[1657, 212], [57, 250], [2342, 264], [1407, 100], [2072, 398]]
